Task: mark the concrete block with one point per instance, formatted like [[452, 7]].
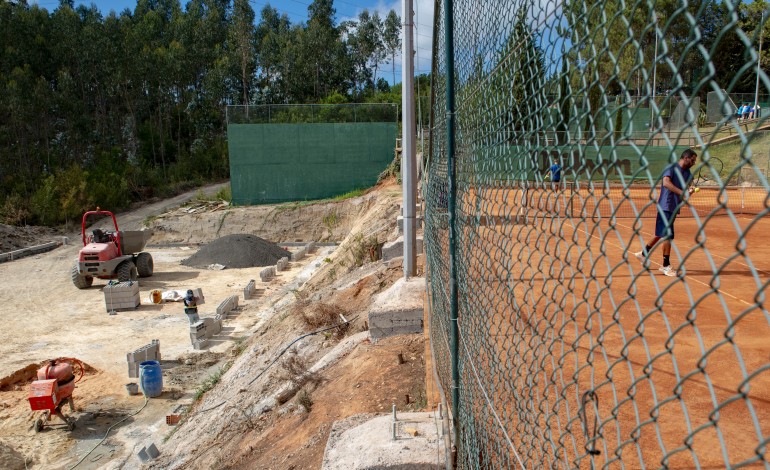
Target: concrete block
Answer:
[[148, 352], [198, 292], [248, 291], [227, 305], [395, 248], [310, 247], [398, 310], [143, 455], [152, 451], [128, 286], [282, 264], [299, 254], [200, 343], [267, 273]]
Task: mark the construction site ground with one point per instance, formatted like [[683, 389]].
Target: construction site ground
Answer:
[[244, 400]]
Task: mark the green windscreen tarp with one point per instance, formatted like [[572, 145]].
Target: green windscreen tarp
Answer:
[[288, 162]]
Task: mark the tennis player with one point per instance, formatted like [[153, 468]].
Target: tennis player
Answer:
[[676, 181]]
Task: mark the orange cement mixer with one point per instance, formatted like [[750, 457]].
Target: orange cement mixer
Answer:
[[53, 388]]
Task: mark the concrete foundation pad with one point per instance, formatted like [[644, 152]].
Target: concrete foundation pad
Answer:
[[361, 442], [398, 310]]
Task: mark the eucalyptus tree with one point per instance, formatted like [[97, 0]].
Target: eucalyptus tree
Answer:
[[242, 38], [391, 38]]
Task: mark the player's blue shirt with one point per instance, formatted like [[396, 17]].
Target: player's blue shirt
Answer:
[[680, 177], [555, 172]]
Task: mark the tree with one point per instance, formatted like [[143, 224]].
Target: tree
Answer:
[[242, 38], [391, 38]]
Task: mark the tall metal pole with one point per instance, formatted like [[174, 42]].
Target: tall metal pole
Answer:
[[759, 59], [408, 155], [654, 74], [454, 338]]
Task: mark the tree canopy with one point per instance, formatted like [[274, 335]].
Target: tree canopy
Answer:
[[105, 110]]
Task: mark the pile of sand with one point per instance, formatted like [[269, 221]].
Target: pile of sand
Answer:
[[237, 251]]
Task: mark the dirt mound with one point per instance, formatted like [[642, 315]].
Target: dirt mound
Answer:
[[237, 251], [14, 238]]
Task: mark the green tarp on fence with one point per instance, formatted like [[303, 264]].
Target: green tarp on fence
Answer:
[[288, 162]]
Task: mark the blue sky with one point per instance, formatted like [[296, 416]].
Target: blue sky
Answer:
[[297, 12]]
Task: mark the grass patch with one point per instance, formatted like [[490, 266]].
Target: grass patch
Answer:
[[349, 195], [305, 400], [149, 219], [225, 194], [365, 249], [733, 154], [212, 381]]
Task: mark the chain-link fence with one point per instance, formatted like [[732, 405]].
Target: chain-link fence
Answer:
[[560, 338]]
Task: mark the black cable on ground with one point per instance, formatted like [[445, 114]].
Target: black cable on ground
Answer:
[[282, 353], [108, 432]]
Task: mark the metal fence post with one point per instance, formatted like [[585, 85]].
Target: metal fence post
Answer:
[[454, 341]]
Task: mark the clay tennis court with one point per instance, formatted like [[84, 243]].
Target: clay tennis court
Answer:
[[674, 367]]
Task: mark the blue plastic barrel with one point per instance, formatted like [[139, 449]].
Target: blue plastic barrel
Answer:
[[151, 378]]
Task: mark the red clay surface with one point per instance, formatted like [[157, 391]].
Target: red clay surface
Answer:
[[552, 308]]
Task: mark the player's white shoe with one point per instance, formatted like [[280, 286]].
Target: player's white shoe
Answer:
[[668, 271], [640, 256]]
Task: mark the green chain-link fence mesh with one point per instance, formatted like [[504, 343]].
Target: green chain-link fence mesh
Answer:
[[571, 352]]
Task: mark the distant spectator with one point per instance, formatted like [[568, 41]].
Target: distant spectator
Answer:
[[757, 111], [746, 111], [739, 112]]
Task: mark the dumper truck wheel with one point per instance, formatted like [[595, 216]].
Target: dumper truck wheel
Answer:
[[80, 281], [144, 264], [127, 271]]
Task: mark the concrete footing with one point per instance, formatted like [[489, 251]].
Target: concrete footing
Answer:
[[361, 442], [398, 310], [395, 248]]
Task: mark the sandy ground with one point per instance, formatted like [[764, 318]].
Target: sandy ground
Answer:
[[45, 316]]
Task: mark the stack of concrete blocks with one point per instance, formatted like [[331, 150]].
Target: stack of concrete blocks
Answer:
[[121, 296], [267, 273], [282, 264], [148, 352], [201, 331], [198, 335], [249, 290], [395, 248]]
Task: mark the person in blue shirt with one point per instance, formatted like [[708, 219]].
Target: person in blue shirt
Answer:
[[676, 181], [746, 111], [554, 171], [739, 112]]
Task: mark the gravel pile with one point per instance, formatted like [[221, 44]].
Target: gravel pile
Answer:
[[237, 251]]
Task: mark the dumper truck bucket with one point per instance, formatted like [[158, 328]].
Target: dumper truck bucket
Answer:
[[133, 241]]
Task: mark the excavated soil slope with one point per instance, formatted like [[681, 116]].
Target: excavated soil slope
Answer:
[[237, 251]]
